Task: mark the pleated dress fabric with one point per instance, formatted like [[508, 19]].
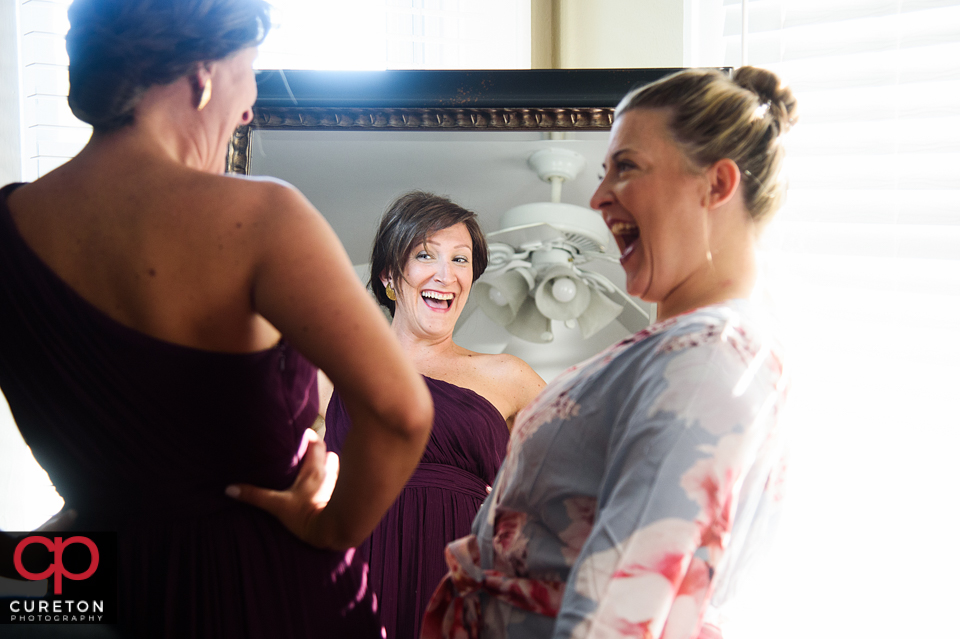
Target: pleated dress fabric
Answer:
[[141, 436], [438, 504]]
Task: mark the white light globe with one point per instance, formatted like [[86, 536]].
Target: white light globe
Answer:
[[497, 297], [564, 289]]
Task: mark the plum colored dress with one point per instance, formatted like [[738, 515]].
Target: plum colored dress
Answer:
[[438, 504], [141, 436]]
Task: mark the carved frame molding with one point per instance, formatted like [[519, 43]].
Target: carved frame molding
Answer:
[[413, 119]]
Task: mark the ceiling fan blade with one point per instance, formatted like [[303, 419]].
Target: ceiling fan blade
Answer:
[[601, 311], [527, 236], [634, 316]]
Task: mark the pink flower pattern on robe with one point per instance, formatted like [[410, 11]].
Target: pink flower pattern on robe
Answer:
[[454, 611], [581, 511], [626, 484]]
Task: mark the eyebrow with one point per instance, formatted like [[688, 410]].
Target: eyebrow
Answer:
[[458, 246], [615, 156]]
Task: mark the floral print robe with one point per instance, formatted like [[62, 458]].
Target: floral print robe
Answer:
[[634, 489]]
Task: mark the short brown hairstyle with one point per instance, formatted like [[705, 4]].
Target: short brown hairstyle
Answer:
[[741, 118], [409, 221], [120, 48]]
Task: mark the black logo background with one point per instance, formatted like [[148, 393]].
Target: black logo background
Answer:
[[102, 585]]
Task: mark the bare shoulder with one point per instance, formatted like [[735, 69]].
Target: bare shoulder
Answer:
[[514, 377], [507, 368], [259, 198], [506, 381]]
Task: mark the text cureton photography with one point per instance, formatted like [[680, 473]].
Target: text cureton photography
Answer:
[[60, 578]]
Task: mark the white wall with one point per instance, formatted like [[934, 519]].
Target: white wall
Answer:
[[620, 33], [638, 33], [9, 93], [703, 44]]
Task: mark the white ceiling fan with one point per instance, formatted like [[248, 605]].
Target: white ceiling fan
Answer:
[[536, 271]]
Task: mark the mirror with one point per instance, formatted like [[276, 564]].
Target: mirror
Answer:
[[352, 142]]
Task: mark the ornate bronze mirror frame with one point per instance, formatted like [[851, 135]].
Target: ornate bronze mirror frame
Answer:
[[534, 100]]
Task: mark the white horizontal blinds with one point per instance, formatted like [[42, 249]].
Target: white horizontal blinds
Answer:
[[398, 34], [875, 162], [51, 133], [458, 34], [864, 261]]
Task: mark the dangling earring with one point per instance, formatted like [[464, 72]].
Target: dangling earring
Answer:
[[205, 96], [391, 294]]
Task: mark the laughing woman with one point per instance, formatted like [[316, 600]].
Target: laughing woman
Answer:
[[426, 256], [637, 483]]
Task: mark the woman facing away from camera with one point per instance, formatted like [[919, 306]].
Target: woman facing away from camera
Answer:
[[638, 482], [163, 325], [427, 253]]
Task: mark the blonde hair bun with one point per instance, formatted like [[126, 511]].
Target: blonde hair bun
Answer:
[[770, 91]]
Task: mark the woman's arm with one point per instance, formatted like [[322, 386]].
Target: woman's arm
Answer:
[[304, 284]]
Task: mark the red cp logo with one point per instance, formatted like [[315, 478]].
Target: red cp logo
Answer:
[[56, 568]]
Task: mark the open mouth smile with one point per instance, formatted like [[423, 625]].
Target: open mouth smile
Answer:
[[626, 235], [437, 300]]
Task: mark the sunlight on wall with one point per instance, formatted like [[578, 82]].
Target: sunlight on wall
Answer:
[[27, 499], [326, 35], [864, 264], [397, 34]]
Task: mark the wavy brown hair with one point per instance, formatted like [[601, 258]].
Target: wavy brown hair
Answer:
[[408, 222]]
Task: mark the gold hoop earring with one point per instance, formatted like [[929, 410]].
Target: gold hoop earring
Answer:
[[391, 294], [205, 96]]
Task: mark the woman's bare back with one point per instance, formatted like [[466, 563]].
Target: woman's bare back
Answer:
[[163, 249]]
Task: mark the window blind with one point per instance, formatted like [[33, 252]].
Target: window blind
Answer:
[[50, 133], [863, 263]]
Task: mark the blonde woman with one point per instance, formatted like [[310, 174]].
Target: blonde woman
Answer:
[[637, 482]]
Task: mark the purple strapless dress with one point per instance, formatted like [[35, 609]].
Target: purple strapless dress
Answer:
[[142, 436], [438, 504]]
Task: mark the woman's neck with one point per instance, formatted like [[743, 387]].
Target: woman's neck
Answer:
[[728, 272], [422, 347]]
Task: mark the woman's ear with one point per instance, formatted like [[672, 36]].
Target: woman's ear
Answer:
[[201, 81], [724, 178]]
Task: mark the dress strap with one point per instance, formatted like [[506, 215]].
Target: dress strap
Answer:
[[449, 477]]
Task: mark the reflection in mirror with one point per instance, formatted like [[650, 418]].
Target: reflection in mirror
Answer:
[[351, 176], [353, 142]]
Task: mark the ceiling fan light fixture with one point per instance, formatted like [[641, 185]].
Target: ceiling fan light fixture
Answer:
[[580, 226], [563, 290], [530, 324], [501, 298], [554, 308], [556, 162], [497, 296], [600, 312]]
